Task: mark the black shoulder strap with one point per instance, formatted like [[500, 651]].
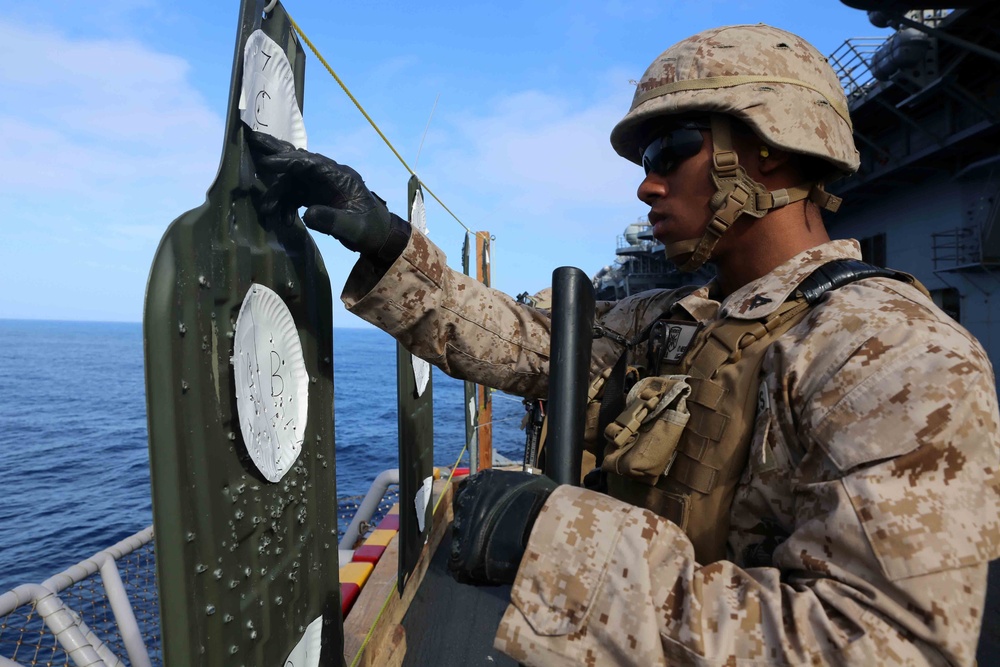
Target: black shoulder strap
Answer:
[[840, 272], [829, 276]]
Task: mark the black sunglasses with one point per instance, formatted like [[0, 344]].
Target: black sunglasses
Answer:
[[664, 154]]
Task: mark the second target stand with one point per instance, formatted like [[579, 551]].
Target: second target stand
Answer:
[[416, 432]]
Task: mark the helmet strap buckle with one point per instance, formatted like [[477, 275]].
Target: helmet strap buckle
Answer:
[[725, 161], [736, 193]]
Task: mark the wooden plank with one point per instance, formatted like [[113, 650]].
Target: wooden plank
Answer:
[[484, 273], [387, 645]]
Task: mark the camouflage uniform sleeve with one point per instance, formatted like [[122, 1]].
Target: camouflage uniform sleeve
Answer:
[[891, 492], [464, 328]]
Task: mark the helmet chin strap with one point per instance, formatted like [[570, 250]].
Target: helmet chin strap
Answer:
[[735, 194]]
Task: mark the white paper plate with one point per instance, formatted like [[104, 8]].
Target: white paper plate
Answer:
[[272, 385], [418, 212], [421, 500], [267, 99], [421, 369], [306, 652]]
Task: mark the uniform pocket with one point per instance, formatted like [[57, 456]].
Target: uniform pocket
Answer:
[[924, 513]]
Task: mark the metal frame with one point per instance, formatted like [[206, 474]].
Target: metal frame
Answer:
[[83, 646]]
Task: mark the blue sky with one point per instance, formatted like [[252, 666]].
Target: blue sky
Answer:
[[112, 126]]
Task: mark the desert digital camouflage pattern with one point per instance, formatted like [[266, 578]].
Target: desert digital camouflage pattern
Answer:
[[774, 81], [862, 525]]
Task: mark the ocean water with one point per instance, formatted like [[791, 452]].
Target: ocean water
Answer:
[[74, 466]]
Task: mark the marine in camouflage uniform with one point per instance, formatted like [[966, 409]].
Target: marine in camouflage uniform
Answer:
[[866, 505]]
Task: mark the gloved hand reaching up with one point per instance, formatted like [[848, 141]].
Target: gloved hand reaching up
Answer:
[[494, 513], [335, 196]]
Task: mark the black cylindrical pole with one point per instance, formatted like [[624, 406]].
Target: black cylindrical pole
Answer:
[[569, 372]]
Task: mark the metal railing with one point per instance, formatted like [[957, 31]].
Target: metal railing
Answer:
[[956, 247], [104, 611], [976, 243], [852, 63], [77, 618]]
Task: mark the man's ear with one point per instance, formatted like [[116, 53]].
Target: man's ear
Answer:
[[771, 159]]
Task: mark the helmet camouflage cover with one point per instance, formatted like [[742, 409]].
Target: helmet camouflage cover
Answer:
[[772, 80]]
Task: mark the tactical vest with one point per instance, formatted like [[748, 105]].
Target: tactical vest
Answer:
[[680, 445]]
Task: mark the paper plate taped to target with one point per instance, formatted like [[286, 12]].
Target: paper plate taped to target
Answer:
[[272, 385], [421, 369], [267, 98]]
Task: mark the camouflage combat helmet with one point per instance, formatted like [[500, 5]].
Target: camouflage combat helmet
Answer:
[[776, 83]]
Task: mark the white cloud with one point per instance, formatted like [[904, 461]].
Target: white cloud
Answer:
[[108, 140], [104, 143], [97, 116], [538, 167], [539, 152], [393, 68], [111, 90]]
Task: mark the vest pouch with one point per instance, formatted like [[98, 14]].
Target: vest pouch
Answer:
[[642, 441], [592, 440]]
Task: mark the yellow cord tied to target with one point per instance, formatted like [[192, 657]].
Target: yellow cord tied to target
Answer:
[[364, 113]]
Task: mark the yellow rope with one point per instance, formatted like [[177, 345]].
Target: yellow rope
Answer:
[[372, 122], [371, 630], [399, 157], [450, 475]]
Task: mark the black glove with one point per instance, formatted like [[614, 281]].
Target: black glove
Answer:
[[494, 513], [337, 200]]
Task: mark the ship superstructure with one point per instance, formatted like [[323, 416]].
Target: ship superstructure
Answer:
[[926, 109], [641, 264]]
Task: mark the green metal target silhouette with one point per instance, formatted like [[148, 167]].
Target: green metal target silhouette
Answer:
[[241, 434]]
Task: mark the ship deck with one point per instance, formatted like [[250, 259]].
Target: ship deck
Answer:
[[436, 621]]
